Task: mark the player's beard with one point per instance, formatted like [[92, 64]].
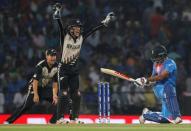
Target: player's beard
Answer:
[[53, 62]]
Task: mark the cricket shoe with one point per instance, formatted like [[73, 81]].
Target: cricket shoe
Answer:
[[141, 118], [76, 121], [62, 121], [6, 122], [177, 120]]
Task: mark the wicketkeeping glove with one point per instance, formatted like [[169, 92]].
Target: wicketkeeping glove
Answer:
[[109, 18], [57, 11]]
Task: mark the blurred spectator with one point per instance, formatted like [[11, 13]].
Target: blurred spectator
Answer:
[[94, 39], [150, 100], [186, 14], [158, 3], [2, 101], [18, 99], [157, 20], [125, 93], [148, 12], [38, 39], [136, 98], [93, 76], [187, 92], [116, 99]]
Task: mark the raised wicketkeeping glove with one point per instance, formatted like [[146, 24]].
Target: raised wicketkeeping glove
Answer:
[[140, 82], [109, 18], [57, 11]]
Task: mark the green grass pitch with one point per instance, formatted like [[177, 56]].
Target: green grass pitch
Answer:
[[97, 127]]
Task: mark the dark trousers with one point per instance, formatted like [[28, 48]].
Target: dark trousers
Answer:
[[28, 104], [69, 94]]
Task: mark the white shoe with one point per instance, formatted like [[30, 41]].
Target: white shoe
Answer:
[[62, 121], [177, 120], [141, 118], [145, 110], [6, 122], [76, 121]]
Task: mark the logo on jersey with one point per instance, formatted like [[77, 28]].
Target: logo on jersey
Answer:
[[70, 46], [71, 49], [158, 68], [34, 75], [61, 78], [47, 76]]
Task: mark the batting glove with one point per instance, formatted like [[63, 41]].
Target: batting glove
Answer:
[[57, 11], [110, 17], [140, 82], [150, 84]]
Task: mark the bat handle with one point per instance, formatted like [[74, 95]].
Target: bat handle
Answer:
[[131, 80]]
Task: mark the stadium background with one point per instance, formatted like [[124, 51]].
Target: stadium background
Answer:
[[27, 29]]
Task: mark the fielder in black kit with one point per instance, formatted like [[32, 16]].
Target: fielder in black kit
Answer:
[[43, 86], [71, 39]]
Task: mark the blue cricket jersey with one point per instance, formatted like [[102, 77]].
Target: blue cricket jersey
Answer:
[[165, 90], [170, 66]]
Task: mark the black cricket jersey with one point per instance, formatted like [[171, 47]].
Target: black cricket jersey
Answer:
[[71, 47], [44, 74]]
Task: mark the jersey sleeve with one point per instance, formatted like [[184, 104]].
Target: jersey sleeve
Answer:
[[37, 73], [91, 31], [170, 67], [62, 31]]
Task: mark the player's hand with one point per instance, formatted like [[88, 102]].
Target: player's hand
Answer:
[[140, 82], [109, 18], [36, 98], [55, 100], [57, 6], [57, 11], [150, 84]]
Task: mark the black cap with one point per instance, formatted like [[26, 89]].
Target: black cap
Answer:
[[75, 22], [51, 52]]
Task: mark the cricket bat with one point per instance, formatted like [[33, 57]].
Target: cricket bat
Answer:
[[116, 74]]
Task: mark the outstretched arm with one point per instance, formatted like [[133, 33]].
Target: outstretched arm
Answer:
[[35, 81], [110, 17], [57, 16], [91, 31], [160, 77], [141, 82], [55, 92]]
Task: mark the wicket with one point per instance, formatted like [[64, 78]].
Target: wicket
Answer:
[[104, 102]]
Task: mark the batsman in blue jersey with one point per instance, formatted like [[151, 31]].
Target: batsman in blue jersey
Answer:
[[164, 79]]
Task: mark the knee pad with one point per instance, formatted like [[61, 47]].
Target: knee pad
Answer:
[[75, 94], [63, 93], [63, 104], [63, 96]]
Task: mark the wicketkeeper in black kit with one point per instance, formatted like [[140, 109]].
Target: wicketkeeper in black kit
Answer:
[[71, 39], [43, 86]]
